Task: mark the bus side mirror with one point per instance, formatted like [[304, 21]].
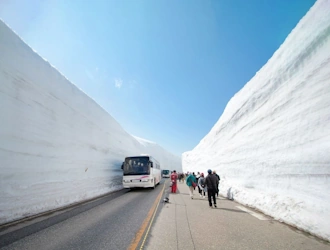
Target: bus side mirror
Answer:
[[122, 165], [150, 164]]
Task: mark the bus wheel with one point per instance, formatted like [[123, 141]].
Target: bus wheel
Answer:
[[154, 184]]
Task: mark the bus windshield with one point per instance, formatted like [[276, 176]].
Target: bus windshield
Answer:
[[136, 166], [166, 172]]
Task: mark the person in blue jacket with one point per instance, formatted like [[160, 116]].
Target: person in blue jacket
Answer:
[[191, 183]]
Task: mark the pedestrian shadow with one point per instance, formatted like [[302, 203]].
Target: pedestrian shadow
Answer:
[[222, 198], [230, 210], [177, 192], [176, 204], [185, 193]]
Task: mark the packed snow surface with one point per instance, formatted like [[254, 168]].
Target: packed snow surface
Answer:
[[57, 146], [271, 146]]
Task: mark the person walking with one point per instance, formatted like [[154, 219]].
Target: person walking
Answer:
[[201, 185], [197, 178], [174, 178], [191, 183], [179, 177], [211, 182], [218, 177]]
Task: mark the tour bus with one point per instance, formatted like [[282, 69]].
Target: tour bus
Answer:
[[166, 173], [141, 171]]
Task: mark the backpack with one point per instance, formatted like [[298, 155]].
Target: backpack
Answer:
[[203, 182]]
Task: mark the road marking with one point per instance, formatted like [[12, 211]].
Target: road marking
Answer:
[[150, 217], [257, 215], [153, 217]]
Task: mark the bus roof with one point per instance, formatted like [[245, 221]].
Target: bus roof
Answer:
[[135, 156]]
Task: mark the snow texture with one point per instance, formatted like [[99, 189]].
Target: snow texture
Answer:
[[271, 146], [57, 145]]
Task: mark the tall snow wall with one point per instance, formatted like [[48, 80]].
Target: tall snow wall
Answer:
[[167, 159], [57, 146], [272, 142]]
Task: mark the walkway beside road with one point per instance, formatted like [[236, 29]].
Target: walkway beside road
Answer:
[[185, 223]]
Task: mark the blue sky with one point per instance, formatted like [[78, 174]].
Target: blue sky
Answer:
[[165, 70]]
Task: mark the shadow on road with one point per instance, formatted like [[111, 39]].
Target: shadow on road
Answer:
[[230, 210]]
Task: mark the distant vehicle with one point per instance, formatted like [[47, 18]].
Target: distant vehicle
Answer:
[[141, 171], [166, 173]]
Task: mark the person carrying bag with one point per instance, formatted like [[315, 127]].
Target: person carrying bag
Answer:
[[191, 182]]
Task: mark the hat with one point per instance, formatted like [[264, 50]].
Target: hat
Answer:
[[209, 171]]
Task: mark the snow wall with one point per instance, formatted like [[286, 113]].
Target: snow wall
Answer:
[[57, 146], [271, 146]]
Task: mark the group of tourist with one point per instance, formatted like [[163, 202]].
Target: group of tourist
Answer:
[[208, 184]]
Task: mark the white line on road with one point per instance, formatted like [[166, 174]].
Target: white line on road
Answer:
[[257, 215]]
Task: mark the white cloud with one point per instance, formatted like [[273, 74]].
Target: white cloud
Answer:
[[118, 83]]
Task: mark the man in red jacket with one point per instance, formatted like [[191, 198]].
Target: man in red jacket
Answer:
[[174, 178]]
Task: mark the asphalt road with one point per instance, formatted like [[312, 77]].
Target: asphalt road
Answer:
[[110, 222], [125, 220]]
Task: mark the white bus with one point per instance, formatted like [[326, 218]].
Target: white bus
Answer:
[[141, 171], [166, 173]]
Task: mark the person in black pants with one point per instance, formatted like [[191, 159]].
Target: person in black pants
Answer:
[[211, 182], [197, 178], [215, 173]]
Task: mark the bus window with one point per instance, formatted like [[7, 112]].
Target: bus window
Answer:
[[136, 166], [166, 173]]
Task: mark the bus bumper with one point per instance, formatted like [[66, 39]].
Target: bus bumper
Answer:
[[138, 184]]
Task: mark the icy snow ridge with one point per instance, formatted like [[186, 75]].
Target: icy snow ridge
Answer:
[[271, 146]]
